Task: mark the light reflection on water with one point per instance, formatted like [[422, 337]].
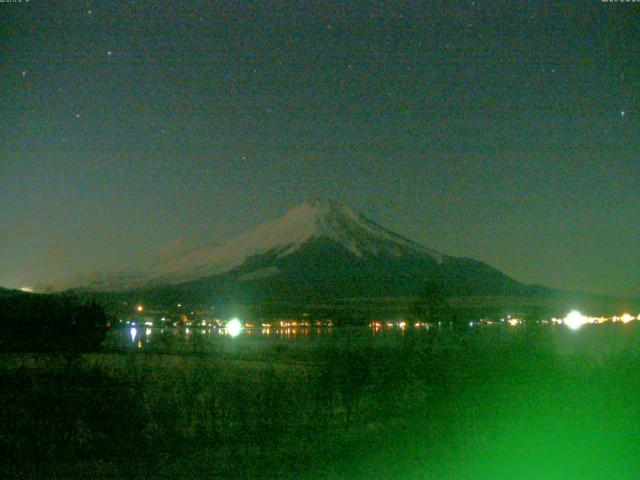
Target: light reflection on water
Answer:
[[217, 339], [161, 339], [589, 341]]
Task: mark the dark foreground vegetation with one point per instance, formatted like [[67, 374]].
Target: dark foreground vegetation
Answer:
[[502, 403], [50, 323]]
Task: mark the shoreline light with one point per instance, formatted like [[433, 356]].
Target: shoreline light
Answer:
[[574, 320], [234, 327], [626, 318]]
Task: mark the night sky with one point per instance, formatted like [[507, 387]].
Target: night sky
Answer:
[[508, 132]]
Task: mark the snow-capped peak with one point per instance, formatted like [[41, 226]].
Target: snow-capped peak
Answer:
[[312, 220]]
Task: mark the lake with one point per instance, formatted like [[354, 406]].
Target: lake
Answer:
[[594, 341]]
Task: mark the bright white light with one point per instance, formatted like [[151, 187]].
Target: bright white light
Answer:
[[134, 332], [26, 289], [147, 332], [626, 318], [574, 320], [234, 327]]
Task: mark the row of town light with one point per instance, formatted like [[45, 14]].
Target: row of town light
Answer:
[[573, 320]]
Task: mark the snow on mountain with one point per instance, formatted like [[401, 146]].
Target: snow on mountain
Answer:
[[325, 220], [312, 220]]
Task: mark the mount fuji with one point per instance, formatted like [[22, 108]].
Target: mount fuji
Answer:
[[321, 250], [314, 221]]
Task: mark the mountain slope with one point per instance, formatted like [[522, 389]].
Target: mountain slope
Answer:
[[322, 270], [322, 251], [319, 250]]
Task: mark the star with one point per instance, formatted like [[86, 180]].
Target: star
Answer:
[[77, 115], [90, 12], [109, 53], [24, 73], [622, 113]]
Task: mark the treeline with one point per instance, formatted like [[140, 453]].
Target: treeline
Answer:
[[50, 323]]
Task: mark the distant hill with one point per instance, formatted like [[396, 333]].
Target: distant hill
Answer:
[[8, 292]]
